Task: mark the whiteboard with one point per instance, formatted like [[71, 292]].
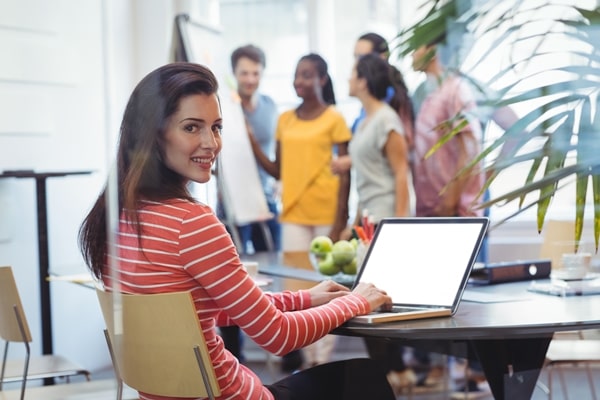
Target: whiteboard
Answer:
[[239, 183]]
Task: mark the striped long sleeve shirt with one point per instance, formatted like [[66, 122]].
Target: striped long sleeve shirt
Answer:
[[184, 247]]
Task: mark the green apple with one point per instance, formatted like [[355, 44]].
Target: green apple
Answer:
[[327, 266], [321, 244], [354, 242], [350, 268], [343, 252]]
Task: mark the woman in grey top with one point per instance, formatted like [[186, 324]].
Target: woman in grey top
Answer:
[[378, 152], [378, 149]]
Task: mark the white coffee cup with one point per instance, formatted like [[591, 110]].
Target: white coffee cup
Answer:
[[251, 267], [575, 265]]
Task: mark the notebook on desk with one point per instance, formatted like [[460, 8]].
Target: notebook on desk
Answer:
[[422, 263]]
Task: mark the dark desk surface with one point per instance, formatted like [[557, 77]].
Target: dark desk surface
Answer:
[[530, 314], [506, 309], [508, 330], [509, 338]]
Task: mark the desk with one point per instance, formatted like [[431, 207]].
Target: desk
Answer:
[[509, 338], [43, 256], [293, 265]]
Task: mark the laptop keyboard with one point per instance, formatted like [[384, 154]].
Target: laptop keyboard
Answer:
[[398, 309]]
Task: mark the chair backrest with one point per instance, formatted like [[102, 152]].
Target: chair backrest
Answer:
[[559, 238], [9, 298], [158, 344]]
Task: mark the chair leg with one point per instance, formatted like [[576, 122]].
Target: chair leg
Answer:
[[204, 373], [588, 370], [115, 366], [3, 363], [540, 385], [28, 350], [563, 383], [549, 383]]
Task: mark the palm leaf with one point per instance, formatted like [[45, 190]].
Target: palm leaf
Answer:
[[596, 190], [580, 192], [453, 129], [554, 176], [565, 119]]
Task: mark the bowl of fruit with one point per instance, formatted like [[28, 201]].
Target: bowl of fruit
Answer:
[[336, 261]]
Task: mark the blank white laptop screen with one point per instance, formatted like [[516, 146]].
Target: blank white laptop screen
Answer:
[[423, 261]]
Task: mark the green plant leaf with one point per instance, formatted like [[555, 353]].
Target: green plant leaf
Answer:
[[592, 16], [558, 138], [596, 190], [453, 130], [580, 192]]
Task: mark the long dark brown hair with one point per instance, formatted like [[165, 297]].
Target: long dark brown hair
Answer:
[[141, 172], [321, 66], [401, 101]]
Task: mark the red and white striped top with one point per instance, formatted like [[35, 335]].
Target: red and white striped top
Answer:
[[184, 247]]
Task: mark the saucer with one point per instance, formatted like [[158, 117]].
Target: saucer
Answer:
[[565, 276]]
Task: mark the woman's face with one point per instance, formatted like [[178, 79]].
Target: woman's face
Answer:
[[353, 82], [307, 82], [362, 47], [422, 57], [193, 137], [247, 73]]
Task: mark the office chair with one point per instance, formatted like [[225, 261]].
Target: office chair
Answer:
[[567, 348], [157, 345], [580, 352], [14, 328]]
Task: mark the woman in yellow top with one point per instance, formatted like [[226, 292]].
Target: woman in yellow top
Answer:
[[314, 200]]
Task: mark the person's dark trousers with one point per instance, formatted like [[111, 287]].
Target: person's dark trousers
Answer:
[[389, 355], [254, 233], [257, 234], [233, 340], [292, 361], [354, 379]]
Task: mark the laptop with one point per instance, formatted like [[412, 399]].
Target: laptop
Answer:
[[422, 263]]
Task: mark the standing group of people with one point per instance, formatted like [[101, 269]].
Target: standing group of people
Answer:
[[167, 241], [312, 152], [392, 136]]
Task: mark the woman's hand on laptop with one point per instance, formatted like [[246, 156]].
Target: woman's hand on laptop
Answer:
[[326, 291], [377, 298]]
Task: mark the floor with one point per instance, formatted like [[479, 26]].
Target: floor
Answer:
[[268, 368]]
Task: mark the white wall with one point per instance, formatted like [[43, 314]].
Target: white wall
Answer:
[[67, 69], [52, 106]]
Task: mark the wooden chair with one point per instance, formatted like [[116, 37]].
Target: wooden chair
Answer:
[[14, 328], [157, 345]]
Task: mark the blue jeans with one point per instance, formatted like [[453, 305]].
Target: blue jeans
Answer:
[[483, 255], [253, 233]]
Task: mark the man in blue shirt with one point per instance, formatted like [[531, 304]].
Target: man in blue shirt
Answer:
[[260, 112]]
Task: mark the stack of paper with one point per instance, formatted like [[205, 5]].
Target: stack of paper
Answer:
[[560, 287]]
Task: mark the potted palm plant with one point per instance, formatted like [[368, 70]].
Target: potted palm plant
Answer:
[[558, 137]]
